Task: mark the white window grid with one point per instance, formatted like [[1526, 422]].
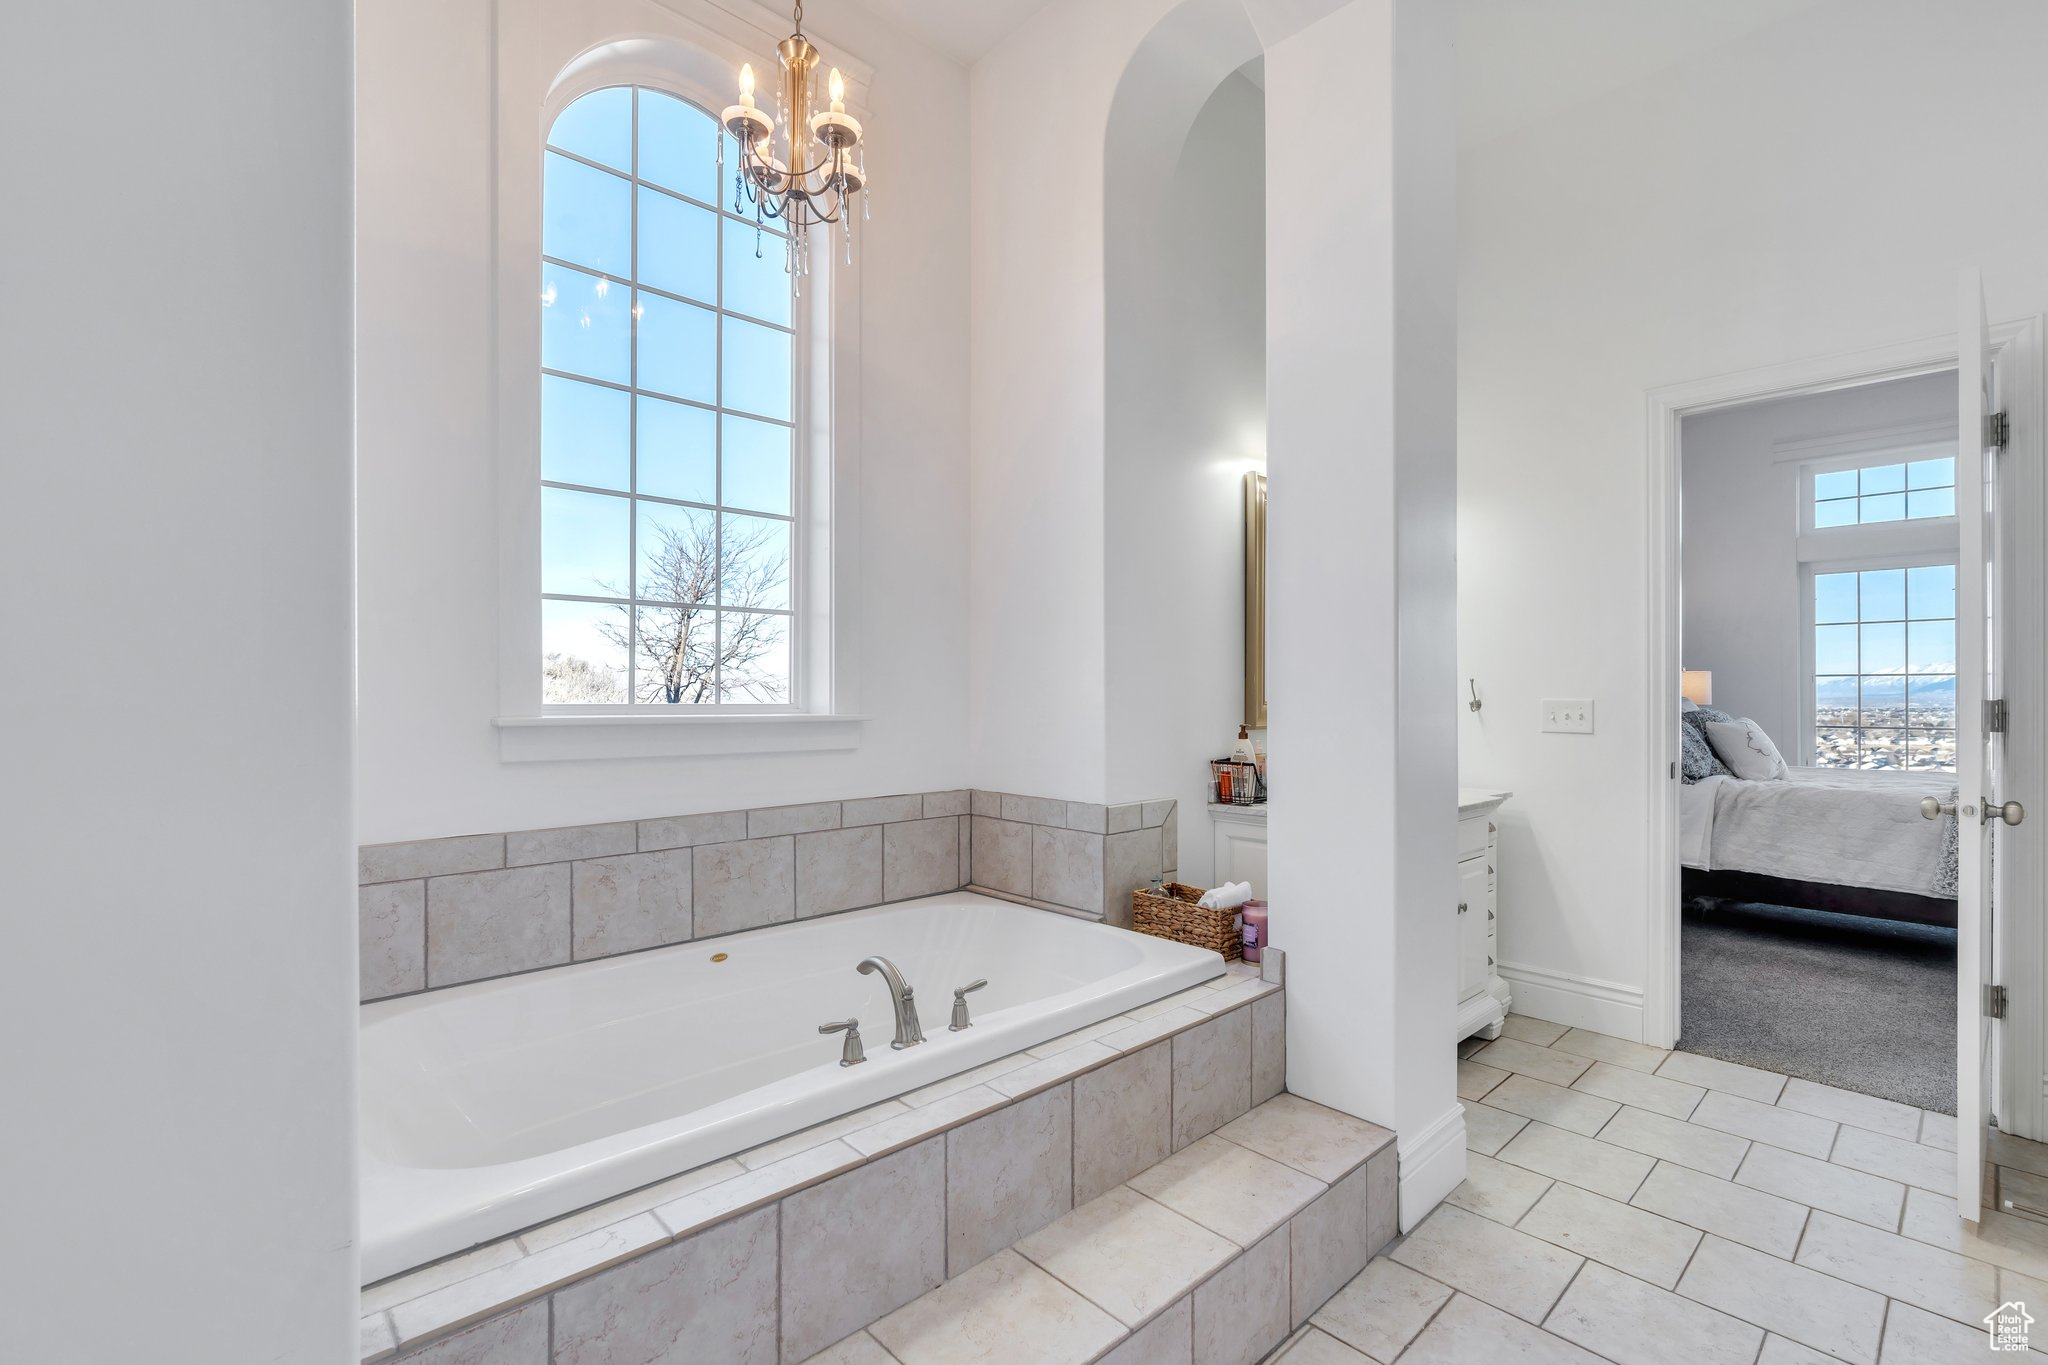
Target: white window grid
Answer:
[[633, 603], [1919, 456], [1809, 672]]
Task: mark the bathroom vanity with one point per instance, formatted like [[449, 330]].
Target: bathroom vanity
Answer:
[[1238, 840], [1483, 997]]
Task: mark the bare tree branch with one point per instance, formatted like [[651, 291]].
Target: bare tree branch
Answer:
[[690, 653]]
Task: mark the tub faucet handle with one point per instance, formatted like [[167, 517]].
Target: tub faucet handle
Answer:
[[960, 1019], [851, 1054]]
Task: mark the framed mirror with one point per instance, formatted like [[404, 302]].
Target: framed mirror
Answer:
[[1255, 600]]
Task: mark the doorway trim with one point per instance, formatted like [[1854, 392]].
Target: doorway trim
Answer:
[[2016, 349]]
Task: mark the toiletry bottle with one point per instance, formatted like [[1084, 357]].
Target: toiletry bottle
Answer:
[[1242, 771], [1242, 751], [1254, 929]]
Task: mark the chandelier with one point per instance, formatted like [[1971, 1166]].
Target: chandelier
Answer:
[[812, 177]]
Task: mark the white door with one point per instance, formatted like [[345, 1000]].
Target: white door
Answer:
[[1980, 808]]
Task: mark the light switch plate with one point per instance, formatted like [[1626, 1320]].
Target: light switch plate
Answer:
[[1568, 716]]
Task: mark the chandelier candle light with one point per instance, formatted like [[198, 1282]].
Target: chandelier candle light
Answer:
[[820, 166]]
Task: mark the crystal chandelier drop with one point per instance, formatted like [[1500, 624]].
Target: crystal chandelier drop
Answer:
[[812, 177]]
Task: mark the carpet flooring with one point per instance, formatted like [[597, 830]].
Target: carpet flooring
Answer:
[[1866, 1005]]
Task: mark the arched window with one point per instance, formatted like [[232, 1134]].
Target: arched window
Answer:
[[668, 528]]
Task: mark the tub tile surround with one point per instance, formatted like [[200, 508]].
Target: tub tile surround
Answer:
[[1008, 1173], [738, 886], [1123, 1120], [938, 1183], [497, 923], [634, 900], [834, 1266], [1169, 1270], [443, 912], [1072, 856], [392, 919]]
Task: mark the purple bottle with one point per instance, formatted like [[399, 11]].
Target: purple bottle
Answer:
[[1254, 929]]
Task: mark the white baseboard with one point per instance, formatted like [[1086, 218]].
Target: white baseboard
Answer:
[[1432, 1165], [1580, 1001]]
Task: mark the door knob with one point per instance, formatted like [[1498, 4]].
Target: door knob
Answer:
[[2012, 812]]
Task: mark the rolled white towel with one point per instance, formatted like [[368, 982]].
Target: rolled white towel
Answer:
[[1228, 896]]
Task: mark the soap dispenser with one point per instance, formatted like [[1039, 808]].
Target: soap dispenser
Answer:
[[1242, 751]]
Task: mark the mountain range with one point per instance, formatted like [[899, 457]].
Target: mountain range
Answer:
[[1888, 690]]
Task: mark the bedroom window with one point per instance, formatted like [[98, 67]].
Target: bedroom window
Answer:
[[667, 420], [1884, 666], [1914, 490]]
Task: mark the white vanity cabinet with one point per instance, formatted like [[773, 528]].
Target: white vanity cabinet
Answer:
[[1238, 839], [1483, 997], [1238, 835]]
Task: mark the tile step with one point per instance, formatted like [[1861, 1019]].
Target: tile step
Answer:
[[1221, 1251]]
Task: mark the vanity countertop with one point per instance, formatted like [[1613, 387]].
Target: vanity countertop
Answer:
[[1478, 800], [1471, 801]]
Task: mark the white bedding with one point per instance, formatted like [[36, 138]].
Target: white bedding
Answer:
[[1696, 823], [1842, 826]]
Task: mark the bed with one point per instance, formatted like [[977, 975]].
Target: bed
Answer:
[[1845, 840]]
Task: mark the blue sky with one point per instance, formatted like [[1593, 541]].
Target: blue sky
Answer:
[[1886, 637], [1892, 492]]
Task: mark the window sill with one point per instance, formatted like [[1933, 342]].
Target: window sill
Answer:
[[541, 739]]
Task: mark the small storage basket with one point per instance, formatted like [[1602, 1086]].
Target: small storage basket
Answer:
[[1235, 784], [1171, 912]]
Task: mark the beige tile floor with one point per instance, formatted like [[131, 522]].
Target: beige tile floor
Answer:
[[1625, 1204]]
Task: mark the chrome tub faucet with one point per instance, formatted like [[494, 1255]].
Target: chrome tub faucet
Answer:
[[908, 1033]]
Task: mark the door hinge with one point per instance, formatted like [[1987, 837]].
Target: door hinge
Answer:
[[1994, 717], [1997, 430], [1994, 1002]]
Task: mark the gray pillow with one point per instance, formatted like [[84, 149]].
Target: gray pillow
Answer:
[[1747, 751], [1696, 758]]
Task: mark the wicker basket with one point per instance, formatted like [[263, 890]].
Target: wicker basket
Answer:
[[1172, 913]]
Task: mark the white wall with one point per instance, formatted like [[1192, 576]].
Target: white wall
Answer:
[[1361, 901], [1810, 189], [428, 760], [179, 991], [1744, 618], [1037, 624], [1362, 580], [1186, 381]]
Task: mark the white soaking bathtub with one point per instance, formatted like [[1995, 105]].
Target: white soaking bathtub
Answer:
[[489, 1107]]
